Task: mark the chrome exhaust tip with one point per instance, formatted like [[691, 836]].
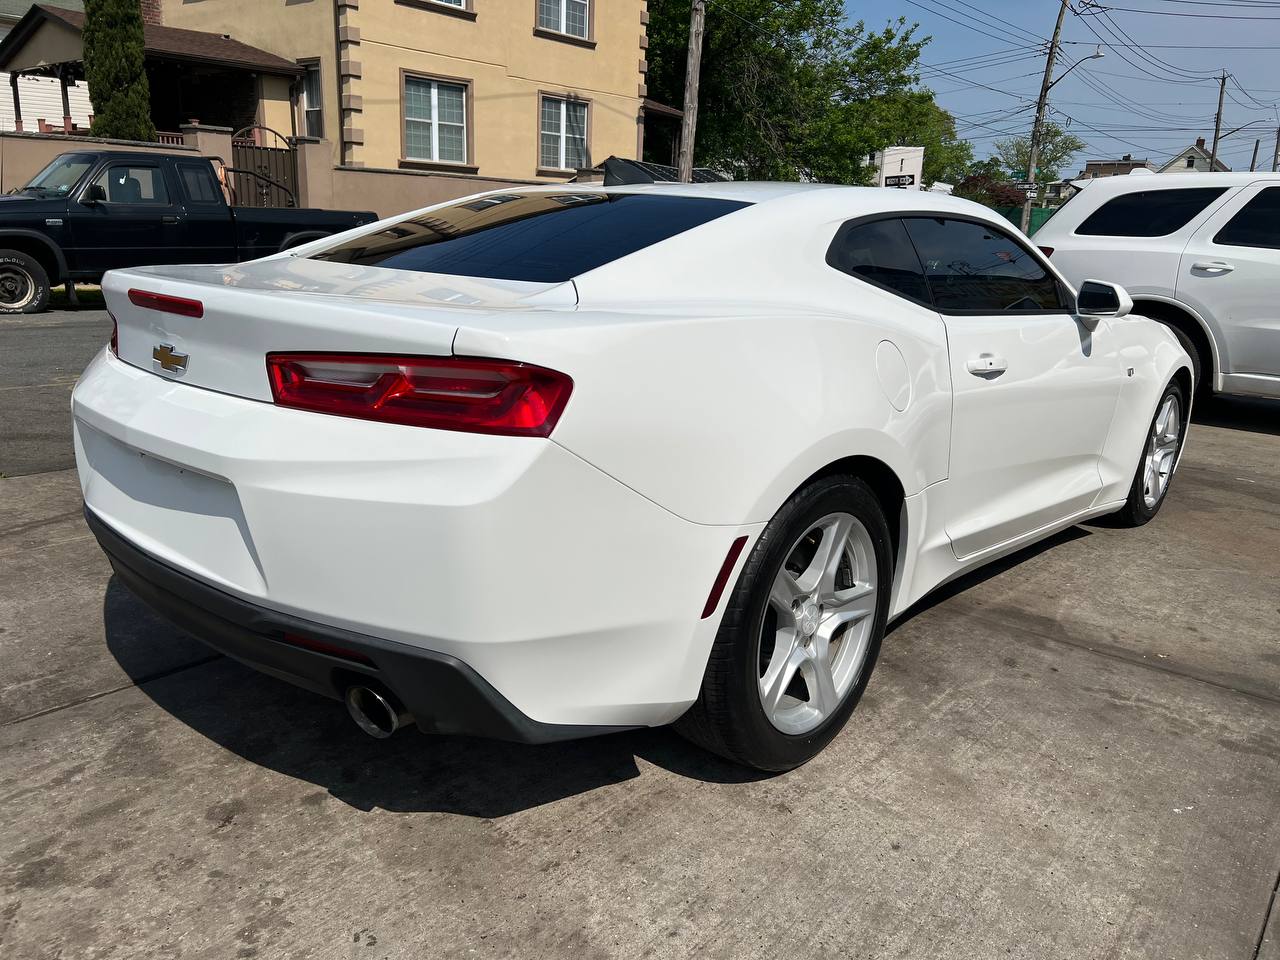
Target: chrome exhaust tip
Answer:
[[376, 713]]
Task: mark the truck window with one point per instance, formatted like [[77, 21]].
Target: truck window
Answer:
[[198, 182], [60, 175], [1148, 213], [128, 183]]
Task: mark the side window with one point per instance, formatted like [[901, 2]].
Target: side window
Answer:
[[123, 183], [198, 182], [1148, 213], [975, 268], [880, 252], [1257, 225]]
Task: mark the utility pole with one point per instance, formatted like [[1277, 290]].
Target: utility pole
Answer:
[[1275, 157], [692, 71], [1253, 164], [1217, 121], [1036, 128]]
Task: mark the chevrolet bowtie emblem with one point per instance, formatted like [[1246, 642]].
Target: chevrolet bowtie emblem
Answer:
[[167, 358]]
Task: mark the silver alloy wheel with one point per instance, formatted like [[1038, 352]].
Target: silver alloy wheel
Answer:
[[1162, 449], [817, 625], [17, 287]]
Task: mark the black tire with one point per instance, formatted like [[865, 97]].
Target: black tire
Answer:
[[1199, 386], [1136, 511], [24, 284], [728, 717]]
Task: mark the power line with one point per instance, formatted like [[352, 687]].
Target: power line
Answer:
[[1196, 16]]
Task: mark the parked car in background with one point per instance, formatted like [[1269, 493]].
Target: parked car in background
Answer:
[[551, 462], [92, 211], [1198, 252]]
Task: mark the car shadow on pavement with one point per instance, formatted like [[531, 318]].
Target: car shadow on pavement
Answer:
[[1238, 413], [309, 737]]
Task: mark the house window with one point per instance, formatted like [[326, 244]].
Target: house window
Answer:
[[563, 134], [435, 120], [312, 105], [1191, 162], [565, 16]]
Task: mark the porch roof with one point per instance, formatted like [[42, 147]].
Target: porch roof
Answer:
[[48, 35]]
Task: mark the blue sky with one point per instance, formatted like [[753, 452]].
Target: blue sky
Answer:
[[1150, 102]]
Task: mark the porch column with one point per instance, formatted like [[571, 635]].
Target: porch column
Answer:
[[17, 101], [66, 104]]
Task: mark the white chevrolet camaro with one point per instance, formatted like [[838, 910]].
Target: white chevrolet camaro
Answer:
[[559, 461]]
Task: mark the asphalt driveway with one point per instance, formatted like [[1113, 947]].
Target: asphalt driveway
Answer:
[[1075, 753]]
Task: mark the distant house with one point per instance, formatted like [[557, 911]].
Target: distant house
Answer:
[[1114, 168], [901, 167], [1194, 159], [41, 96]]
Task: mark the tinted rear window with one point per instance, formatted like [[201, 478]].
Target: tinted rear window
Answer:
[[1148, 213], [543, 237], [1257, 225]]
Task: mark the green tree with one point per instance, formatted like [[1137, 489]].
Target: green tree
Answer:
[[789, 90], [922, 123], [113, 59], [1056, 148]]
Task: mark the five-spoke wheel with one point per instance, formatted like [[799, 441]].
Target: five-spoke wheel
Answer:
[[814, 638], [800, 632]]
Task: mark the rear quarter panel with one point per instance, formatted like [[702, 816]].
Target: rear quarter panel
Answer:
[[719, 413], [1144, 266]]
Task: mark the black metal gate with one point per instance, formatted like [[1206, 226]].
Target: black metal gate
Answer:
[[263, 176]]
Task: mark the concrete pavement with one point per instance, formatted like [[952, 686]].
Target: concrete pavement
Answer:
[[1075, 753]]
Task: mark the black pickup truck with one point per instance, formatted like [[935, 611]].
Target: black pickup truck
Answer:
[[92, 211]]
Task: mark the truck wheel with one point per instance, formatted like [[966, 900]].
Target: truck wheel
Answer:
[[24, 285]]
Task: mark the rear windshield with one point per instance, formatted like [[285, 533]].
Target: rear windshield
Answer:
[[543, 237], [1148, 213]]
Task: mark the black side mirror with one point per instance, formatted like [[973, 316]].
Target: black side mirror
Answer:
[[93, 193], [1100, 299]]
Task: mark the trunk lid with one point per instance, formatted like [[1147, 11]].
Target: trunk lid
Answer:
[[295, 304]]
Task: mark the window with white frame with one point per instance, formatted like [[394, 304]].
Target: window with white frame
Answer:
[[565, 16], [435, 120], [563, 128], [312, 105]]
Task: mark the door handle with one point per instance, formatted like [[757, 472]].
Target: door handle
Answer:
[[1213, 266], [987, 365], [168, 218]]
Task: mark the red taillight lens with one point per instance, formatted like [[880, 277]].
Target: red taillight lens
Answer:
[[166, 304], [447, 393], [115, 335], [1047, 251]]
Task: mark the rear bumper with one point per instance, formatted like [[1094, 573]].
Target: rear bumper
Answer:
[[575, 598], [443, 693]]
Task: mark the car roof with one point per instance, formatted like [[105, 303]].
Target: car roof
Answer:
[[839, 200]]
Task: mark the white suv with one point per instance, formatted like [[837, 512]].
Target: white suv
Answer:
[[1199, 252]]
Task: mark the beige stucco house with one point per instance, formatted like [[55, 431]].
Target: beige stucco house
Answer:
[[505, 89]]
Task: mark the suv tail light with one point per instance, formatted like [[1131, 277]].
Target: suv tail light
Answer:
[[448, 393], [1047, 251]]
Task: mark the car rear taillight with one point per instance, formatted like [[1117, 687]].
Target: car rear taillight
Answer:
[[1047, 251], [166, 304], [115, 335], [448, 393]]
